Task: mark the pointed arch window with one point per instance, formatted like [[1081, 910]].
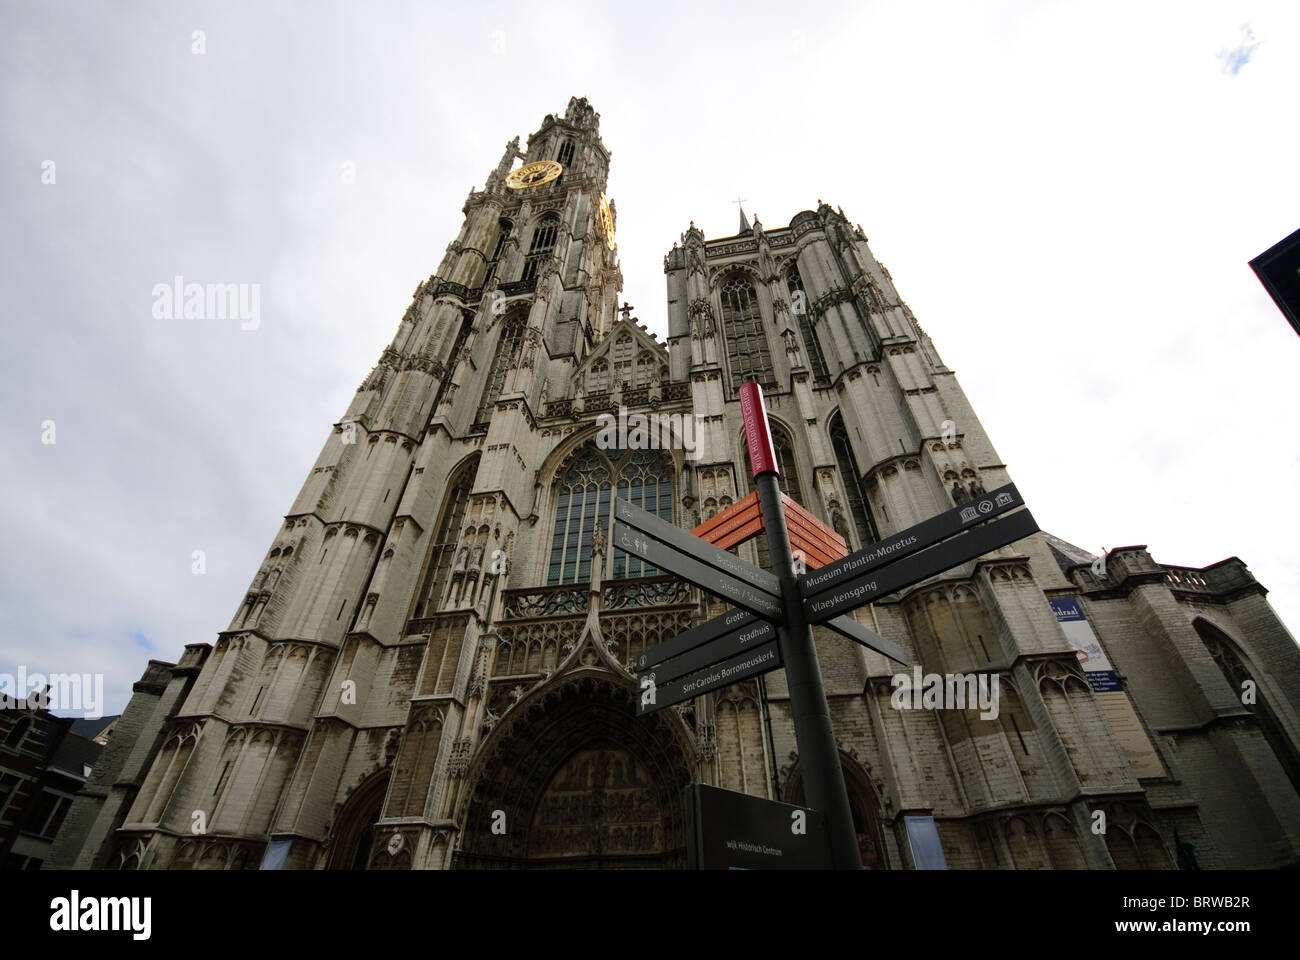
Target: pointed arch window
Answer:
[[584, 504], [646, 479], [503, 234], [1235, 670], [466, 322], [508, 347], [565, 156], [747, 354], [803, 314], [504, 227], [543, 245], [859, 506], [443, 547]]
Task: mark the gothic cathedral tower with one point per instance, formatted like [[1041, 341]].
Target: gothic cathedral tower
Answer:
[[432, 667]]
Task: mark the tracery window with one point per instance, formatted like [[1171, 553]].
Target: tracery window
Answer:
[[443, 546], [803, 313], [566, 153], [542, 246], [508, 346], [503, 234], [584, 504], [646, 479], [622, 357], [859, 505], [747, 354]]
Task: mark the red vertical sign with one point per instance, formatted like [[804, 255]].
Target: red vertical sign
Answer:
[[762, 456]]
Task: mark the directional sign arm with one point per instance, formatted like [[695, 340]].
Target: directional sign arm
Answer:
[[719, 626], [894, 548], [694, 547], [725, 647], [920, 566], [752, 598], [749, 664], [848, 627]]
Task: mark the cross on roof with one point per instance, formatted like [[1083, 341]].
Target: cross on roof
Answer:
[[626, 310]]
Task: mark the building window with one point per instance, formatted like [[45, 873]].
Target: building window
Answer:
[[466, 324], [512, 333], [583, 504], [503, 234], [622, 357], [47, 814], [8, 787], [646, 480], [566, 153], [17, 733], [543, 245], [859, 506], [747, 353], [803, 314], [442, 549]]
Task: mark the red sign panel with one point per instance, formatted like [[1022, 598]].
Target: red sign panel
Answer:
[[762, 456]]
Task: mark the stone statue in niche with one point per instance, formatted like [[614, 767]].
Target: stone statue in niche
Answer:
[[976, 488], [959, 494], [839, 525]]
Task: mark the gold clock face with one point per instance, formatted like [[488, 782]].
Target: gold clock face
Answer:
[[534, 174], [607, 221]]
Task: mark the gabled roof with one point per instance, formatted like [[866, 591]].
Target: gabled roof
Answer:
[[1066, 554], [644, 341]]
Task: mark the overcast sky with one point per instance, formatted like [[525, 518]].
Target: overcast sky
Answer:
[[1066, 195]]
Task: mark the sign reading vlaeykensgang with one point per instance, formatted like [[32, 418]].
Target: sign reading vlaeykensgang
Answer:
[[918, 537], [919, 566]]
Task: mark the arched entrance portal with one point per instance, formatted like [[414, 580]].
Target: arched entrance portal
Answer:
[[578, 781], [863, 805], [354, 825]]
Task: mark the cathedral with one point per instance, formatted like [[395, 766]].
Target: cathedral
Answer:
[[471, 702]]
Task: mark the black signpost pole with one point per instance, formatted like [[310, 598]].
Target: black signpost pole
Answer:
[[819, 758]]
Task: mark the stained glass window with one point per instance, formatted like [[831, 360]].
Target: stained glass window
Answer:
[[747, 353]]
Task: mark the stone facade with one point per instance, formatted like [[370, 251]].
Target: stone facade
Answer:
[[470, 704]]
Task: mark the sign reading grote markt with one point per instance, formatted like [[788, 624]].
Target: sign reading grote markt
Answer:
[[438, 661]]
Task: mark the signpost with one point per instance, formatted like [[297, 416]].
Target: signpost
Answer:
[[772, 625], [734, 831]]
